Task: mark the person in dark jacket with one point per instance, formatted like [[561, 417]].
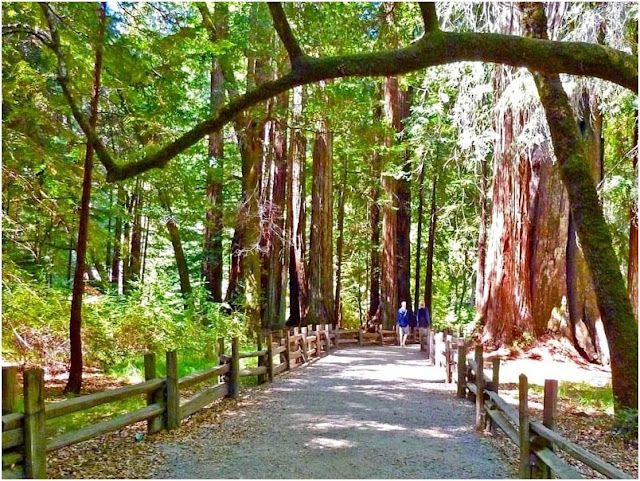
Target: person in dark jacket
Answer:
[[403, 323], [424, 325]]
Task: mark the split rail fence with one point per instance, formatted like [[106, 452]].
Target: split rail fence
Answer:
[[24, 440], [538, 442]]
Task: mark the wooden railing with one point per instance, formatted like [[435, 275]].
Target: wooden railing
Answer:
[[24, 440], [538, 442]]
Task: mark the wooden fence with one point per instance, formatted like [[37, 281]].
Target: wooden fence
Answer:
[[24, 439], [538, 442]]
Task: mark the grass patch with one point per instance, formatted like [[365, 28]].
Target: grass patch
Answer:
[[87, 417], [583, 394]]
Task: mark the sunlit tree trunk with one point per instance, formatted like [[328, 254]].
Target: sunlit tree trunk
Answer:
[[296, 212], [176, 242], [416, 287], [482, 231], [374, 219], [433, 219], [273, 317], [321, 302], [340, 241], [213, 227], [117, 240], [613, 301], [74, 383], [396, 220], [135, 253], [632, 269]]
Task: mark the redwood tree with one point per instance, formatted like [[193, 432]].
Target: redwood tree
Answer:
[[321, 301], [74, 383]]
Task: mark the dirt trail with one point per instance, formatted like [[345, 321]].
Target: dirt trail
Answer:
[[358, 413]]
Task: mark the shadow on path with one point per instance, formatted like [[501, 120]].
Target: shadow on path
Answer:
[[358, 413]]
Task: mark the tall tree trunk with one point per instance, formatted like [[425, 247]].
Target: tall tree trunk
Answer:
[[613, 300], [396, 219], [416, 286], [433, 217], [74, 383], [117, 241], [107, 258], [276, 273], [296, 213], [213, 226], [135, 254], [174, 236], [482, 232], [374, 219], [235, 267], [389, 265], [126, 244], [632, 269], [321, 302], [144, 250], [340, 242]]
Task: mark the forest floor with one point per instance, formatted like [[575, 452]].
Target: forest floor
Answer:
[[359, 413]]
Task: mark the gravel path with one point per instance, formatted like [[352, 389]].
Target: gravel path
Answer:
[[358, 413]]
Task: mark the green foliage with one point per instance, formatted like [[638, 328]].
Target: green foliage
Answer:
[[627, 423]]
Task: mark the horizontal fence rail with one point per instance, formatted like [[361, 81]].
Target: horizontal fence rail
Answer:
[[24, 440], [538, 442]]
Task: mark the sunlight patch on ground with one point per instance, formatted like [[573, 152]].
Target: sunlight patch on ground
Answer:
[[341, 422], [433, 433], [328, 443]]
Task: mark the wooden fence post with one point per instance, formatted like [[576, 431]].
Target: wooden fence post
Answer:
[[447, 358], [35, 441], [287, 352], [157, 397], [359, 337], [327, 336], [480, 416], [523, 421], [270, 356], [549, 418], [220, 347], [234, 371], [462, 369], [495, 379], [303, 343], [337, 336], [431, 346], [9, 389], [381, 335], [172, 420], [262, 378]]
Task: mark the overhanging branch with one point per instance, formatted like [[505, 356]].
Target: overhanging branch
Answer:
[[429, 16], [283, 28], [438, 48]]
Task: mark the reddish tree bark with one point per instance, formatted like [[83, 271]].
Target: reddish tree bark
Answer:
[[374, 219], [296, 218], [433, 218], [632, 269], [74, 383], [117, 241], [213, 227], [273, 317], [396, 220], [340, 242], [321, 302], [176, 242]]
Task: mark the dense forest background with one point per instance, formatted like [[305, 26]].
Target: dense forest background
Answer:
[[331, 202]]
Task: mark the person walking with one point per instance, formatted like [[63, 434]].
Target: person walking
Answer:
[[424, 325], [403, 323]]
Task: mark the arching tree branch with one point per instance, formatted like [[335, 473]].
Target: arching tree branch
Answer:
[[438, 48], [63, 80], [283, 28], [429, 16]]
